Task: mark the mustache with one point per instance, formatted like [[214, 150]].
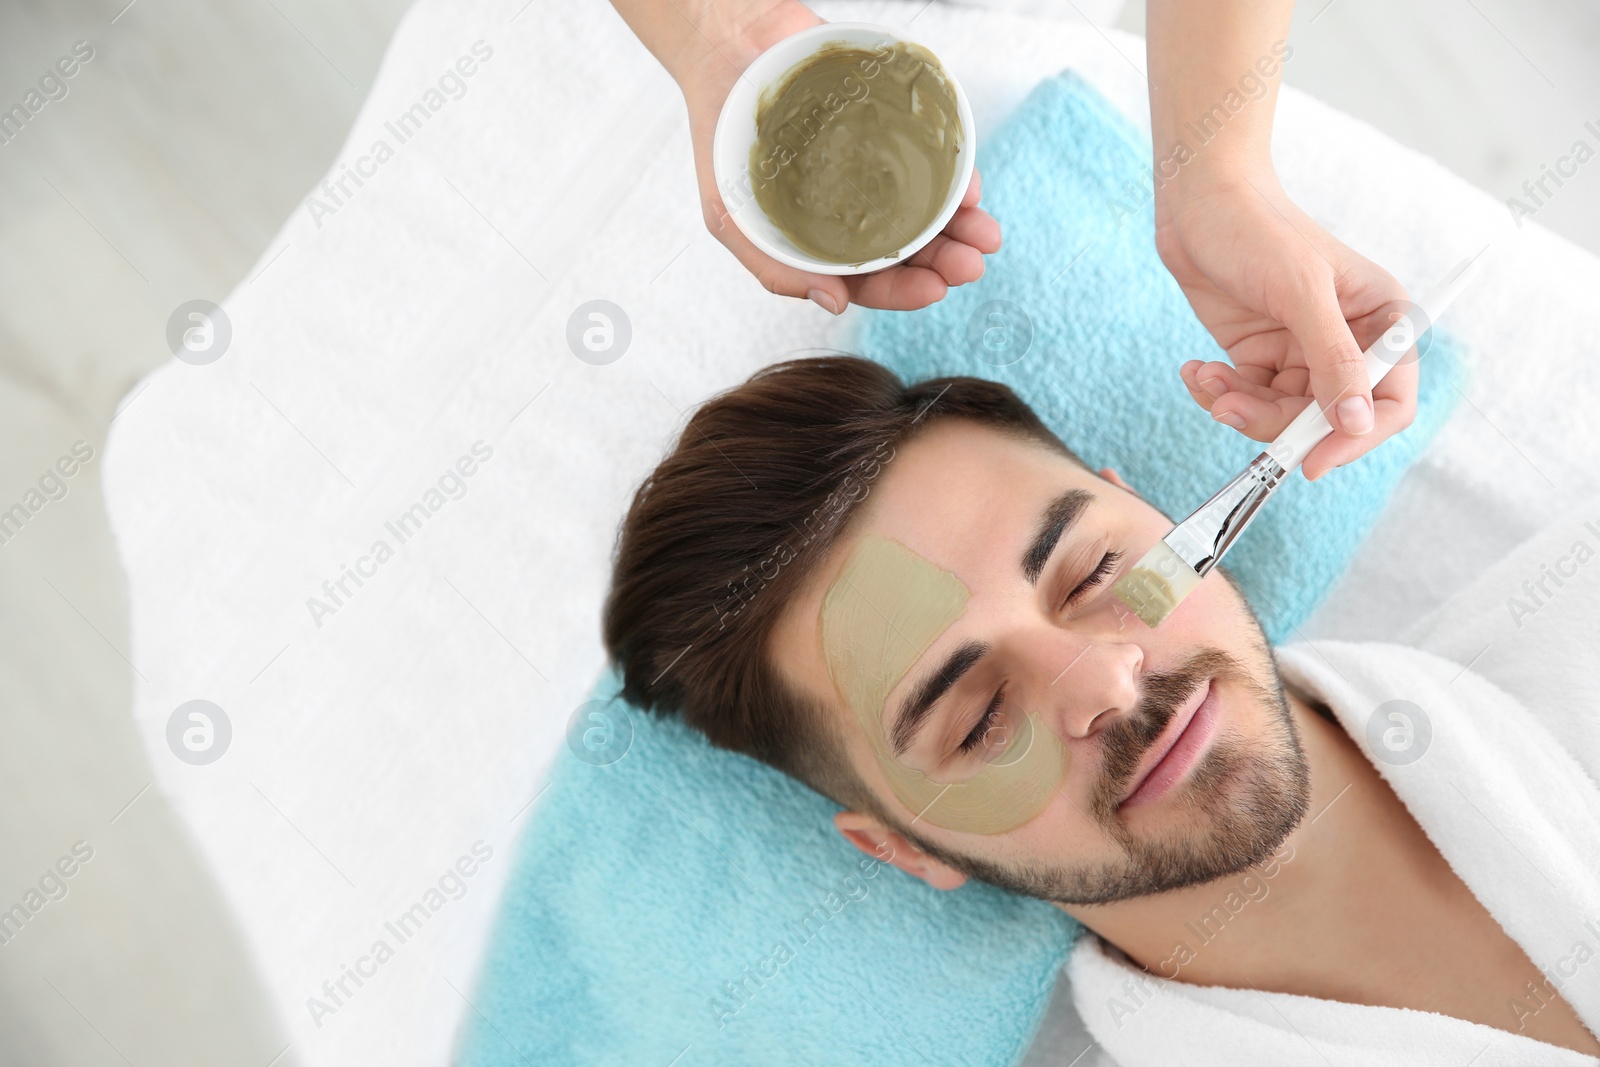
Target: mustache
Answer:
[[1125, 743]]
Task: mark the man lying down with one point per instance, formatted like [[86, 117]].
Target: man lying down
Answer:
[[935, 648]]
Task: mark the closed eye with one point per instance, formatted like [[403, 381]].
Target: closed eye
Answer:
[[974, 738], [1107, 564]]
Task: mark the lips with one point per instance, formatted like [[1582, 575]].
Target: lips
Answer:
[[1173, 737]]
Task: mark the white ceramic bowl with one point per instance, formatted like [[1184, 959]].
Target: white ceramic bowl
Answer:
[[736, 133]]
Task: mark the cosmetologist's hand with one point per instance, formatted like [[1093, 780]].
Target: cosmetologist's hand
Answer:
[[705, 46], [1293, 306]]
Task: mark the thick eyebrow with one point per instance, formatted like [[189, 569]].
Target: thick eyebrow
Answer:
[[1058, 518], [914, 713]]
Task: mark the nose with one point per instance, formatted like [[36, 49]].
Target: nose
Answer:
[[1092, 685]]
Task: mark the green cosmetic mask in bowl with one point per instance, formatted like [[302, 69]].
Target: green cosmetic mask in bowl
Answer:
[[856, 149], [843, 149]]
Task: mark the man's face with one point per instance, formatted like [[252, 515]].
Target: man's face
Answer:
[[1057, 646]]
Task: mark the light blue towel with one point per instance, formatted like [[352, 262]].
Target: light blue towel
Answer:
[[687, 898], [685, 905]]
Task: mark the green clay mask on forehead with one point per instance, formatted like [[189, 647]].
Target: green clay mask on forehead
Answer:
[[880, 615]]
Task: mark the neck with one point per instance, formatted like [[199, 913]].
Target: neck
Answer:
[[1356, 845]]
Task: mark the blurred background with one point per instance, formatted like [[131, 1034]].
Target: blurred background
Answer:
[[158, 173]]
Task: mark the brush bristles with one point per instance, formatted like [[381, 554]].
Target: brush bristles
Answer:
[[1156, 584]]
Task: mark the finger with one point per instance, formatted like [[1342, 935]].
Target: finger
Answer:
[[1258, 412], [1289, 381], [956, 263], [1255, 411], [974, 190], [976, 227], [1257, 419], [1187, 374], [902, 288], [827, 291], [1395, 408], [1338, 368], [1218, 379]]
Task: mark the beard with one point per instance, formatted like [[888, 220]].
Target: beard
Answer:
[[1240, 802]]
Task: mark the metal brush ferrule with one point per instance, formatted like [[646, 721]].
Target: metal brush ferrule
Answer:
[[1203, 538]]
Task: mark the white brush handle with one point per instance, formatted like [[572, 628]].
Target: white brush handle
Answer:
[[1311, 425]]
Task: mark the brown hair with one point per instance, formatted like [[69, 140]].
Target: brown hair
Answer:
[[763, 480]]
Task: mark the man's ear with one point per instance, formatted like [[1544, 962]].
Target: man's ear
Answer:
[[1115, 479], [881, 843]]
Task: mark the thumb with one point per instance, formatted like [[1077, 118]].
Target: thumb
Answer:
[[828, 292], [1337, 366]]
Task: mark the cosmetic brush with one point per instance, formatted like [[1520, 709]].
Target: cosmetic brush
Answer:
[[1169, 572]]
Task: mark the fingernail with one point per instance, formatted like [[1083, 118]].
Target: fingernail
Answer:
[[823, 301], [1214, 386], [1231, 418], [1355, 415]]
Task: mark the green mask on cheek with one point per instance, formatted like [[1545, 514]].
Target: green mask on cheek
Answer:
[[880, 615]]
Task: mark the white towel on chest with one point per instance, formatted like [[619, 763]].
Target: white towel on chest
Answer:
[[1506, 790]]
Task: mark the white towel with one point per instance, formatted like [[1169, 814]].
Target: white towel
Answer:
[[1507, 791]]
